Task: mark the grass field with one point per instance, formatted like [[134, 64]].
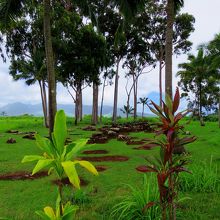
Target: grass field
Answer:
[[19, 199]]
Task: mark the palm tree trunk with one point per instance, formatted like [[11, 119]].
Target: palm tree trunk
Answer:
[[135, 96], [95, 104], [115, 107], [50, 65], [200, 105], [169, 47], [143, 111]]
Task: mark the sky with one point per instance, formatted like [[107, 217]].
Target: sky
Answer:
[[206, 13]]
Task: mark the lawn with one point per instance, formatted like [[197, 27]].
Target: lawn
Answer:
[[19, 199]]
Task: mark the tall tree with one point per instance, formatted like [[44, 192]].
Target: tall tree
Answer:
[[143, 101], [12, 10]]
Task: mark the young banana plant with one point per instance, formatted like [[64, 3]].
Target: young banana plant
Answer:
[[58, 157]]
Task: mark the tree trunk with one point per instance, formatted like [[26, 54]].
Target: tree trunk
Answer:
[[102, 100], [143, 111], [160, 81], [135, 81], [169, 47], [114, 117], [80, 104], [95, 104], [50, 66], [200, 106], [76, 108], [43, 101]]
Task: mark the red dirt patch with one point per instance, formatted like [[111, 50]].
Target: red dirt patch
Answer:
[[95, 152], [105, 158], [22, 176], [65, 181], [142, 169], [101, 168], [135, 142]]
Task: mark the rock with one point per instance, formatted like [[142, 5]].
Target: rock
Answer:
[[89, 128], [122, 137], [115, 129], [187, 133], [29, 136], [12, 131], [112, 134], [11, 141]]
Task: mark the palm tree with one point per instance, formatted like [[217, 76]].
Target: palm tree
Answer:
[[128, 110], [144, 102], [11, 10], [195, 76]]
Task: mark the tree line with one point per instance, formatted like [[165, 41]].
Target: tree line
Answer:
[[84, 43]]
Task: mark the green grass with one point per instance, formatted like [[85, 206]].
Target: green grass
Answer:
[[20, 199]]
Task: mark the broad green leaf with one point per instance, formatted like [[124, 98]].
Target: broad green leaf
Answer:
[[50, 213], [60, 130], [44, 144], [42, 164], [70, 170], [30, 158], [77, 147], [87, 165]]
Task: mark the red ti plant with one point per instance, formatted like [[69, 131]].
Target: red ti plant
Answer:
[[168, 166]]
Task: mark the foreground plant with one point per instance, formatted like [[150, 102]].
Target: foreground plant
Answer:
[[58, 158], [168, 166]]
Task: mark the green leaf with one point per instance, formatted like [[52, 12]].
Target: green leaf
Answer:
[[44, 144], [77, 146], [42, 164], [50, 213], [60, 131], [169, 102], [70, 170], [30, 158], [87, 165], [69, 211]]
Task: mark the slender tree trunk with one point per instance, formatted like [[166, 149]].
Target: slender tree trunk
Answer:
[[50, 65], [169, 47], [200, 106], [102, 100], [143, 111], [76, 108], [95, 104], [160, 81], [115, 107], [80, 104], [43, 101], [135, 81]]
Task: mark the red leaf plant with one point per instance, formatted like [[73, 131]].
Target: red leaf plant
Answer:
[[168, 166]]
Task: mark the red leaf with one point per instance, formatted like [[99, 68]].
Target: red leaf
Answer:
[[157, 107], [176, 100], [148, 205]]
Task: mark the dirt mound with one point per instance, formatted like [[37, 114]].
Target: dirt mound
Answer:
[[106, 158], [22, 175], [95, 152], [66, 182], [11, 141], [101, 168], [142, 169]]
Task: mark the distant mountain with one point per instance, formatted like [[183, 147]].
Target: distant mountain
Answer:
[[18, 108]]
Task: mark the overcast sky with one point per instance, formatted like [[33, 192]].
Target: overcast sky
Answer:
[[206, 13]]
